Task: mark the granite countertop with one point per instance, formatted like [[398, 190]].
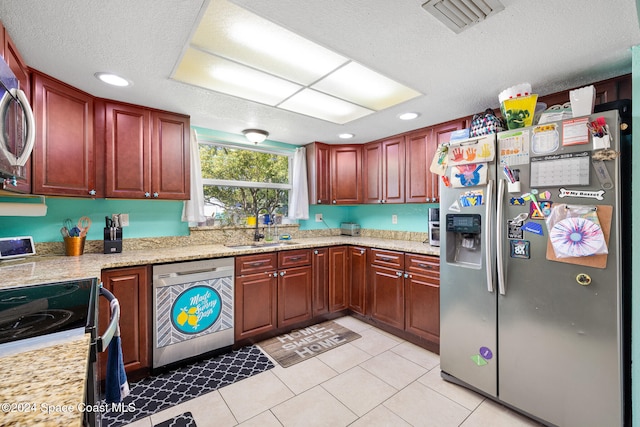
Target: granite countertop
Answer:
[[45, 269], [45, 387]]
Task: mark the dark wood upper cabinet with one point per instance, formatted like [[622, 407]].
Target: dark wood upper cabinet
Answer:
[[319, 173], [420, 183], [147, 153], [64, 153], [346, 174], [383, 165]]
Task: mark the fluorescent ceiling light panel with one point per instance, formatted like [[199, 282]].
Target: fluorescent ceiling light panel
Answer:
[[322, 106], [215, 73], [234, 33], [365, 87], [240, 54]]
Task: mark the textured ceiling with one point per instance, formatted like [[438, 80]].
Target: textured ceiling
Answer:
[[552, 45]]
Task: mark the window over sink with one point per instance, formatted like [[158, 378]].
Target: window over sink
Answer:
[[241, 182]]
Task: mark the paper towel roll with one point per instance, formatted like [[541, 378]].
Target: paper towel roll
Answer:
[[22, 209]]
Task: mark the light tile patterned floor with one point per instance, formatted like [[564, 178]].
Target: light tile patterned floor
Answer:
[[376, 380]]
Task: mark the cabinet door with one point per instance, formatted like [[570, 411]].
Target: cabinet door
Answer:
[[294, 295], [21, 71], [372, 171], [387, 296], [320, 281], [423, 306], [170, 160], [255, 304], [357, 288], [393, 170], [319, 173], [441, 134], [128, 151], [346, 174], [339, 274], [418, 178], [64, 153], [132, 288]]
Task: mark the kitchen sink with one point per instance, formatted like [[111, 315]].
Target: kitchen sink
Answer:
[[260, 245]]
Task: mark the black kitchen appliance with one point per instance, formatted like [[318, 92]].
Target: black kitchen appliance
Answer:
[[38, 315]]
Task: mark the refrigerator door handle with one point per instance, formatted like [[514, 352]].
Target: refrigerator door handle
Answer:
[[488, 225], [499, 237]]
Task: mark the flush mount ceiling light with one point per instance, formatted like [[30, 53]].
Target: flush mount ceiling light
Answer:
[[346, 136], [255, 135], [408, 116], [237, 53], [112, 79], [459, 15]]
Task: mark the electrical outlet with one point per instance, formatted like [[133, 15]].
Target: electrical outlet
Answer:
[[124, 219], [319, 217], [394, 219]]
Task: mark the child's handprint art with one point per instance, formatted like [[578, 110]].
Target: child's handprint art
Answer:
[[469, 175]]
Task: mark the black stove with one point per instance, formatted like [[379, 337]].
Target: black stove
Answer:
[[44, 309]]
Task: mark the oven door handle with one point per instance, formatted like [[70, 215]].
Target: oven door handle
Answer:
[[104, 340]]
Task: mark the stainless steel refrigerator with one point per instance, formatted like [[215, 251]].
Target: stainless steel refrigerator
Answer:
[[531, 311]]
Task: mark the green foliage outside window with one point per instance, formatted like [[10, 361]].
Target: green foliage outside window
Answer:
[[243, 181]]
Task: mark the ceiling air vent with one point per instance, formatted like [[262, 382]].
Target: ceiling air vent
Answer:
[[459, 15]]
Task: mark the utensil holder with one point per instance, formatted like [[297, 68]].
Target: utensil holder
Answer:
[[74, 246]]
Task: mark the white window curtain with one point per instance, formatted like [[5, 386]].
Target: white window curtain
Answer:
[[193, 209], [299, 194]]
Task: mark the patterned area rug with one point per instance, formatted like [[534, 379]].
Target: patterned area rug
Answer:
[[302, 344], [155, 393], [182, 420]]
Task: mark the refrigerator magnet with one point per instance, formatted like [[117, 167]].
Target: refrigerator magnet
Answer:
[[533, 227], [520, 249], [514, 229]]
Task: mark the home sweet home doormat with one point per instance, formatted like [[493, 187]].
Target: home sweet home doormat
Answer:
[[302, 344]]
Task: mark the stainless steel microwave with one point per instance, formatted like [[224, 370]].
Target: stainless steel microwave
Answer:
[[17, 127]]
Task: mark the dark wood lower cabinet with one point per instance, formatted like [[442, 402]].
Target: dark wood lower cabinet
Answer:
[[294, 295], [132, 287], [387, 296], [256, 304], [358, 276], [320, 282]]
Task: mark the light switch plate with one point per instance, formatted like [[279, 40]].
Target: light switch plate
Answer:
[[394, 219]]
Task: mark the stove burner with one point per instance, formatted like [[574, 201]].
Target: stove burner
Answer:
[[33, 324]]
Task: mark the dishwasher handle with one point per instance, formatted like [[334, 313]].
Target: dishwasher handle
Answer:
[[104, 340]]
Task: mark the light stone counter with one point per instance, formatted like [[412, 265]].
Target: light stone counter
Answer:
[[44, 387], [54, 268]]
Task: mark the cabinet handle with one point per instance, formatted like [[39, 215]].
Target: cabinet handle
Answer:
[[399, 273], [334, 202], [361, 251], [428, 267], [407, 275], [296, 258], [257, 264], [386, 259], [156, 195], [282, 273], [92, 192], [315, 252], [147, 195], [319, 201]]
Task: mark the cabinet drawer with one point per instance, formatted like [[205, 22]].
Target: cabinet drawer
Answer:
[[423, 264], [390, 259], [296, 258], [249, 264]]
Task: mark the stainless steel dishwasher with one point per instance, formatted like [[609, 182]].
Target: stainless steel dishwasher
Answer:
[[192, 309]]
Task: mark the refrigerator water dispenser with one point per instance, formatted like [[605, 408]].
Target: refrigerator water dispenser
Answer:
[[464, 240]]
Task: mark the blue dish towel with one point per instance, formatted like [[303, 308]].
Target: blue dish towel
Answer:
[[116, 385]]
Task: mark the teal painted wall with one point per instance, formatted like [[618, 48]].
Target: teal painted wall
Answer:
[[411, 217], [147, 218], [635, 237]]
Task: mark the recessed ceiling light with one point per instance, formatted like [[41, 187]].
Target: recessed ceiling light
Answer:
[[112, 79], [346, 136], [408, 116]]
